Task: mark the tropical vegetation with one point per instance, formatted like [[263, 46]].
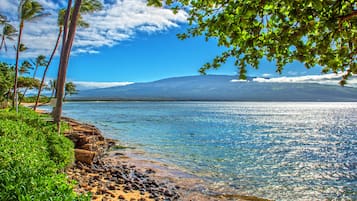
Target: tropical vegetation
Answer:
[[6, 81], [33, 154], [316, 33], [29, 10], [9, 33], [70, 89], [72, 17], [32, 158]]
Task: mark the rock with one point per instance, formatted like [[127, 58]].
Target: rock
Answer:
[[111, 187], [168, 193], [150, 171], [90, 147], [84, 156], [103, 177]]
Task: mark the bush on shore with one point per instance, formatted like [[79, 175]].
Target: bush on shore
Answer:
[[32, 99], [32, 158]]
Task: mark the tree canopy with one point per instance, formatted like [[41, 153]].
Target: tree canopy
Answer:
[[70, 89], [6, 77], [314, 32], [28, 82]]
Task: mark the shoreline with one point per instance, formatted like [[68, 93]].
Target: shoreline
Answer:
[[116, 174], [112, 174]]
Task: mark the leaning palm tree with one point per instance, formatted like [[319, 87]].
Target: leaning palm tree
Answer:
[[70, 89], [70, 27], [29, 10], [25, 67], [60, 23], [8, 32], [52, 86], [40, 61]]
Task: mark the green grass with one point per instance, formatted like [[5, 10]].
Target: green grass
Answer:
[[32, 158]]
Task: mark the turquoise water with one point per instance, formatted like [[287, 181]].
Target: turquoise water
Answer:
[[275, 150]]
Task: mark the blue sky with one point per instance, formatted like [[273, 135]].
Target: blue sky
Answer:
[[129, 42]]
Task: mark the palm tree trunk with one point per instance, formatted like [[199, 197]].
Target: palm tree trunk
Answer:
[[26, 89], [14, 103], [2, 42], [65, 25], [53, 93], [64, 62], [64, 40], [5, 46], [46, 69]]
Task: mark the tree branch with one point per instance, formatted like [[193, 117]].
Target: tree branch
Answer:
[[349, 16]]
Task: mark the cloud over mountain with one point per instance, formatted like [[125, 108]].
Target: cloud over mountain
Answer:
[[221, 88], [98, 85], [326, 79]]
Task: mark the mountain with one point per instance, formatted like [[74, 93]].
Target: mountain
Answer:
[[220, 88]]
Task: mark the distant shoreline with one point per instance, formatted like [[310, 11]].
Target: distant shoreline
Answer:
[[198, 100]]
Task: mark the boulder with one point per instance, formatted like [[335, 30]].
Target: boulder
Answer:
[[84, 156]]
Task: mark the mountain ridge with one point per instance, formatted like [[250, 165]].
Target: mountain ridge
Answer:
[[220, 88]]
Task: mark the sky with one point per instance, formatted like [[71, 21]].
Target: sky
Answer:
[[130, 42]]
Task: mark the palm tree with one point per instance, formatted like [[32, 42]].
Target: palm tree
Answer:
[[53, 87], [22, 48], [29, 10], [70, 27], [40, 61], [3, 19], [25, 67], [70, 88], [60, 23], [8, 32]]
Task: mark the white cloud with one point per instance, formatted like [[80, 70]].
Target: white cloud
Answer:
[[119, 20], [238, 80], [328, 79], [96, 85], [8, 7], [266, 75]]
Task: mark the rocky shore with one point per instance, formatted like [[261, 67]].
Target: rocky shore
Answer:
[[108, 179], [108, 174]]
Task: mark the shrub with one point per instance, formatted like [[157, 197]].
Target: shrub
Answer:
[[32, 155]]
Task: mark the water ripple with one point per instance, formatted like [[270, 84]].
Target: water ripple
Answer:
[[281, 151]]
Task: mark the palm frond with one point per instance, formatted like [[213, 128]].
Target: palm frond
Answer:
[[60, 18], [9, 31], [90, 6], [3, 19], [23, 47], [82, 23], [31, 10], [41, 60]]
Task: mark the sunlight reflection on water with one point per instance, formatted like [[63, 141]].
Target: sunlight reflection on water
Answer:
[[283, 151]]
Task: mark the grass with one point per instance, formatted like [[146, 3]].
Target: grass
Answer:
[[32, 159]]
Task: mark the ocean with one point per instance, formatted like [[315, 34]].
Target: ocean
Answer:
[[273, 150]]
